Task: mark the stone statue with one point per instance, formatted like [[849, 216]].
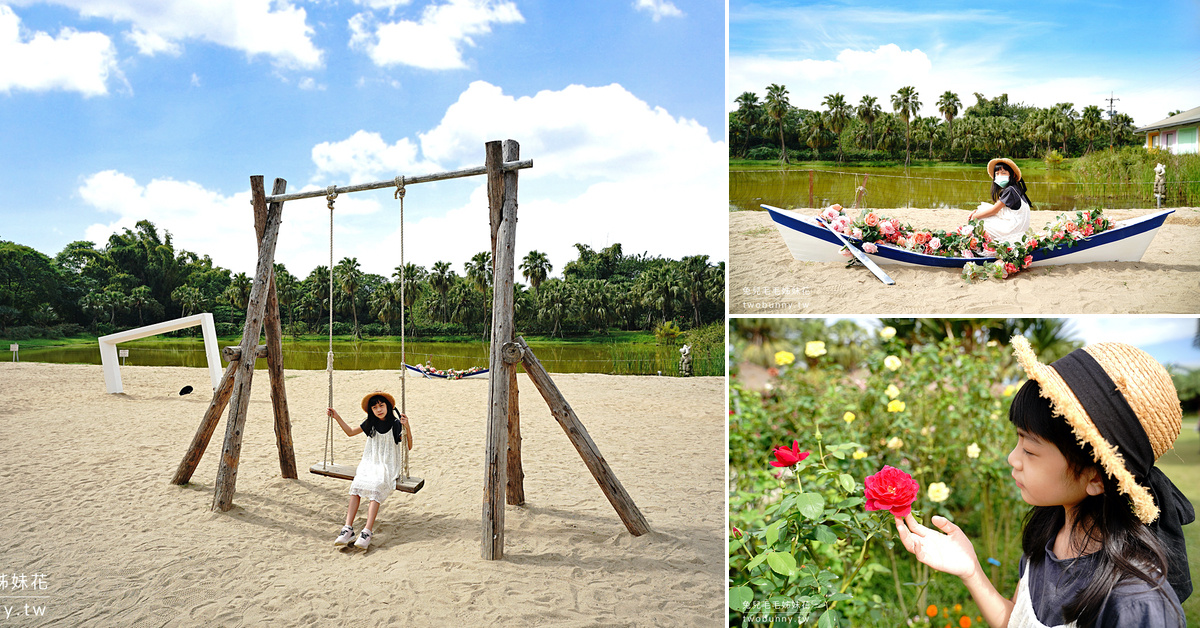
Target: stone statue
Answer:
[[685, 361], [1160, 185]]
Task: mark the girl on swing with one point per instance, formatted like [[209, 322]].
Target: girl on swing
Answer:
[[1103, 544], [1007, 218], [380, 466]]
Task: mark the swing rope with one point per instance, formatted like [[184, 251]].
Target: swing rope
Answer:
[[330, 195], [403, 365]]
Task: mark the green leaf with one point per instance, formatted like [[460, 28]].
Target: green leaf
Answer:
[[826, 535], [847, 482], [735, 545], [839, 454], [829, 619], [811, 505], [757, 560], [782, 563], [740, 598], [773, 532], [838, 597]]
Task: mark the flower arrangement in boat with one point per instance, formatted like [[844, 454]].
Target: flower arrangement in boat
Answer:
[[968, 241]]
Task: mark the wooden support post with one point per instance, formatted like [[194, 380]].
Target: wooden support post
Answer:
[[244, 371], [208, 425], [233, 354], [516, 474], [274, 329], [495, 458], [620, 500]]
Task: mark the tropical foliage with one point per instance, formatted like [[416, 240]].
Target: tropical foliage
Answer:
[[138, 277], [766, 129]]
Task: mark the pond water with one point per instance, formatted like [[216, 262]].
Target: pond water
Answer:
[[626, 359], [889, 188]]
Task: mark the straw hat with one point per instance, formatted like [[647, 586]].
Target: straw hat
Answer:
[[1143, 384], [1008, 163], [380, 393]]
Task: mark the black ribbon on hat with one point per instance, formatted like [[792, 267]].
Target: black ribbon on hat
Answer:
[[1118, 424]]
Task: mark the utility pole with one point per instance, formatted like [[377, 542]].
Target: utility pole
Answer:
[[1112, 124]]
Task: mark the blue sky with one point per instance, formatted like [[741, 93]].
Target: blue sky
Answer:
[[119, 110], [1039, 53]]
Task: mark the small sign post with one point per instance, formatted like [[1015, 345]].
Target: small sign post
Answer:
[[13, 348], [123, 353]]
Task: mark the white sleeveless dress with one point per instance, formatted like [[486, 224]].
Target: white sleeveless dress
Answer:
[[1022, 614], [380, 466], [1008, 225]]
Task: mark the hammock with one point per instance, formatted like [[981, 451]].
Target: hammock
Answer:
[[429, 371]]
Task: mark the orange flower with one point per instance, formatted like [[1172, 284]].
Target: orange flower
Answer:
[[964, 622], [931, 611], [958, 608]]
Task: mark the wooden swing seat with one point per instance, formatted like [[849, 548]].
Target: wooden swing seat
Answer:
[[346, 472]]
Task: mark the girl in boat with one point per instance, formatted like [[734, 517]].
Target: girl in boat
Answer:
[[1007, 219], [376, 476], [1103, 542]]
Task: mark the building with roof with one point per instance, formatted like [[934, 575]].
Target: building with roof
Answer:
[[1178, 134]]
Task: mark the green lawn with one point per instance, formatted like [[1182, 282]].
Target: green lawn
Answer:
[[1182, 465]]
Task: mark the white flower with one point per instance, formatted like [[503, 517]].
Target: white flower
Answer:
[[892, 392], [887, 333], [973, 450], [938, 492], [892, 362], [895, 443], [814, 349]]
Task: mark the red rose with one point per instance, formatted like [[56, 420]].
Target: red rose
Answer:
[[1033, 244], [1009, 268], [891, 489], [1072, 226], [872, 219], [785, 457], [1087, 229], [1028, 259]]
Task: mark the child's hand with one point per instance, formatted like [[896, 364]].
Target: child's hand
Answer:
[[404, 420], [331, 412], [951, 553]]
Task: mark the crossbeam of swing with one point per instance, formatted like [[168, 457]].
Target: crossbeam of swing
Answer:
[[391, 183]]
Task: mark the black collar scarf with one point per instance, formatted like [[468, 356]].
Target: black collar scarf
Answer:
[[391, 423], [1119, 425]]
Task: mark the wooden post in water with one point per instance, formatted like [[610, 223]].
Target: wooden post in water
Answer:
[[244, 371], [620, 500], [495, 457], [274, 329]]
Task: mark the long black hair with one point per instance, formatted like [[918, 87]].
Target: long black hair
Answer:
[[1014, 181], [1127, 547]]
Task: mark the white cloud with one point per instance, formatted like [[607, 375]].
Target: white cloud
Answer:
[[274, 28], [383, 4], [658, 8], [310, 83], [436, 41], [365, 157], [72, 61]]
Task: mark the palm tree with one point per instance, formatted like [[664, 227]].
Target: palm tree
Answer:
[[552, 301], [777, 108], [413, 276], [748, 113], [237, 294], [536, 266], [905, 103], [591, 300], [92, 303], [441, 280], [285, 290], [948, 105], [1089, 125], [868, 111], [189, 298], [348, 275], [385, 302], [816, 132], [968, 129], [837, 115], [1063, 122], [479, 271], [139, 298], [661, 289], [695, 273]]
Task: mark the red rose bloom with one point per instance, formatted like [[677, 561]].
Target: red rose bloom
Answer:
[[872, 219], [891, 489], [785, 457], [1009, 268], [1087, 229], [1028, 259], [1072, 226], [1033, 244]]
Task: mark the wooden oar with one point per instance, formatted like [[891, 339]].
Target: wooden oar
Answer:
[[858, 254]]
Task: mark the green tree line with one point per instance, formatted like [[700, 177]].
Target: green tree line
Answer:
[[772, 128], [139, 277]]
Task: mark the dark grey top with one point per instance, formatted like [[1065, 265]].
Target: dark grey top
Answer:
[[1011, 197], [1131, 604]]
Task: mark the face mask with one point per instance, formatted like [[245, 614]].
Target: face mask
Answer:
[[1001, 180]]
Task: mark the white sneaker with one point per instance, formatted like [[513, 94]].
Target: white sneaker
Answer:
[[364, 540], [346, 537]]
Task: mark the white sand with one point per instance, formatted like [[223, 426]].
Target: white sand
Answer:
[[764, 278], [87, 502]]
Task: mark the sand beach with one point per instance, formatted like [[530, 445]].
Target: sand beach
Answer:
[[102, 538], [764, 279]]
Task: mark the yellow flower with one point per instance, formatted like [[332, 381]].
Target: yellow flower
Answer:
[[784, 358], [895, 405], [859, 455], [848, 418], [938, 492], [814, 349], [892, 392], [887, 333], [895, 443], [973, 450], [892, 362], [1009, 390]]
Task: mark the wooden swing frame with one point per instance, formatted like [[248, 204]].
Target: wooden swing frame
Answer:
[[504, 476]]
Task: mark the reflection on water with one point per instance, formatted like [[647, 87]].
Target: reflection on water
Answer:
[[365, 356], [888, 188]]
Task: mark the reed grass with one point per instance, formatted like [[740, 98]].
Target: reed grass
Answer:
[[1128, 173]]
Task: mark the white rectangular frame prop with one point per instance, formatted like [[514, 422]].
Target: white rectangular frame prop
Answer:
[[108, 347]]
